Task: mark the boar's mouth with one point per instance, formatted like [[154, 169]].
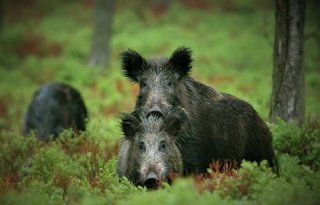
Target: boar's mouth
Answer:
[[155, 113]]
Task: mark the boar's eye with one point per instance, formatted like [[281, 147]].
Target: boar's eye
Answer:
[[142, 146], [170, 84], [162, 146], [143, 84]]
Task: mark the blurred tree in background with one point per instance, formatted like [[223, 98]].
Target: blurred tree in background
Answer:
[[100, 47], [287, 101], [1, 14]]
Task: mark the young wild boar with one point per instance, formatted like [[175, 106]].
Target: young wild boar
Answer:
[[224, 126], [54, 107], [149, 152]]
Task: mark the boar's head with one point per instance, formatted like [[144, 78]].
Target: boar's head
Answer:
[[153, 155], [159, 79]]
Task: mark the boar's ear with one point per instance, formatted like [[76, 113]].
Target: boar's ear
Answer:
[[132, 64], [175, 121], [181, 60], [129, 125]]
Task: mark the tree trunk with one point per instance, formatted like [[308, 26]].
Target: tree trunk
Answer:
[[100, 47], [287, 100], [1, 15]]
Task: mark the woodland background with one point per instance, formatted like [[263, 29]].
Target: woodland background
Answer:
[[232, 43]]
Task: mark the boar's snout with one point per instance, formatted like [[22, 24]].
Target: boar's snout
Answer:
[[155, 106], [155, 109], [155, 112], [152, 181]]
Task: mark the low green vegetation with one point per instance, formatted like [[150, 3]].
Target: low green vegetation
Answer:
[[232, 47], [82, 170]]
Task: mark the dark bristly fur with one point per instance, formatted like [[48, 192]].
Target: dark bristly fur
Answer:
[[181, 58], [54, 107], [222, 126], [130, 60]]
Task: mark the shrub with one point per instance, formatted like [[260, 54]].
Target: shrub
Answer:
[[303, 143]]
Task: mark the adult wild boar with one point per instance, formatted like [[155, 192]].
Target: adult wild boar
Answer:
[[224, 126], [54, 107]]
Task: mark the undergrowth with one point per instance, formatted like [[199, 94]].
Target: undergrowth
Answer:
[[79, 169]]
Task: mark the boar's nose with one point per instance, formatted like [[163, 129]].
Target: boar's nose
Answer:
[[152, 181], [155, 111]]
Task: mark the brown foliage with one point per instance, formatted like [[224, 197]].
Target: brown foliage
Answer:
[[223, 177], [37, 45]]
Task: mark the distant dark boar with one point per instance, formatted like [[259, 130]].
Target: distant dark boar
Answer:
[[149, 153], [225, 127], [54, 107]]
